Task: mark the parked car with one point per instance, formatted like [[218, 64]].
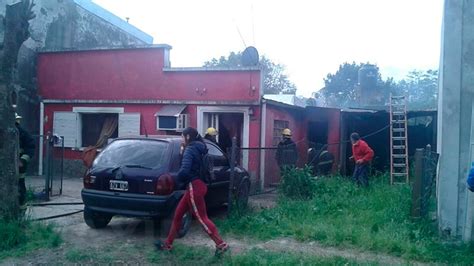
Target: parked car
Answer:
[[133, 177]]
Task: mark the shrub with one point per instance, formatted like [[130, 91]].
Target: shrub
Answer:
[[297, 183]]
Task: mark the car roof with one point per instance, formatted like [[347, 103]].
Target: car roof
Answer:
[[166, 138]]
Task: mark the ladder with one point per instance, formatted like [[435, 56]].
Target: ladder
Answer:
[[399, 170]]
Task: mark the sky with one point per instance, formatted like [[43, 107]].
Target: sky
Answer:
[[310, 38]]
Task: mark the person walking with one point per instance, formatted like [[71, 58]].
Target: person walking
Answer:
[[286, 154], [27, 151], [362, 155], [196, 189]]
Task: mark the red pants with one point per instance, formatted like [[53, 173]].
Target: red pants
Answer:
[[193, 200]]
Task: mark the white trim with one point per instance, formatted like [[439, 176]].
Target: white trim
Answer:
[[263, 128], [41, 132], [111, 110], [228, 109]]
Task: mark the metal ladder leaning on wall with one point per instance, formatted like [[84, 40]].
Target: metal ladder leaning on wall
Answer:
[[399, 169]]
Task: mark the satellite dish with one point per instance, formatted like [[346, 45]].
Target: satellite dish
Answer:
[[250, 57]]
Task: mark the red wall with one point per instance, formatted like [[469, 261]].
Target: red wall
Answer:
[[137, 74], [297, 124]]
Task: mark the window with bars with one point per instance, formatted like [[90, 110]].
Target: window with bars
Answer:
[[278, 126]]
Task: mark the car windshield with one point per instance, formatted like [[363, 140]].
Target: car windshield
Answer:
[[133, 153]]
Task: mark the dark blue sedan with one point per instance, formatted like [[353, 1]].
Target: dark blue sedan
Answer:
[[134, 177]]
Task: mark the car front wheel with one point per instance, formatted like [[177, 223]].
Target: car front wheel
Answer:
[[95, 219]]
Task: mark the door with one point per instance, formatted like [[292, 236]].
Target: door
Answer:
[[219, 187]]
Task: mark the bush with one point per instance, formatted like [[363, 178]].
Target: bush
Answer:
[[297, 183]]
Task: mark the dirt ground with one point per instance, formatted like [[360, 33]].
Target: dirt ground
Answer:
[[128, 240]]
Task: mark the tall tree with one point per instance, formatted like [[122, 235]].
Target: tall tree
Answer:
[[275, 80], [16, 32], [341, 88], [421, 88]]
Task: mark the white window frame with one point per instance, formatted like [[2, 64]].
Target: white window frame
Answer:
[[92, 110], [228, 109]]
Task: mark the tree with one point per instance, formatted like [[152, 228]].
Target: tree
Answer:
[[341, 88], [421, 88], [275, 80], [16, 32]]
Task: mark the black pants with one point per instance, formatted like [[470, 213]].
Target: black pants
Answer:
[[360, 175], [21, 191]]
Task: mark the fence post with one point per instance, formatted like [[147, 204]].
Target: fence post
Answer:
[[232, 172], [417, 187], [47, 169]]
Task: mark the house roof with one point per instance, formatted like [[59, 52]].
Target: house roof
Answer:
[[115, 20], [289, 99], [129, 47]]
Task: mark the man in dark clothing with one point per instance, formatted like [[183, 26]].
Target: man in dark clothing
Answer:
[[27, 151], [286, 154], [211, 135], [362, 155], [320, 159]]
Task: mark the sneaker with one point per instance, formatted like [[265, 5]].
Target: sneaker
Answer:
[[221, 248], [160, 245]]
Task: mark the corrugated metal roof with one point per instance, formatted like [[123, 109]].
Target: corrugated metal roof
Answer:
[[171, 110]]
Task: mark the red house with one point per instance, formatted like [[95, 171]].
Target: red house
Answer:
[[87, 95]]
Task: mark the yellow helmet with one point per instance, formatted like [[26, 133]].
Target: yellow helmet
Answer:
[[286, 132], [212, 131]]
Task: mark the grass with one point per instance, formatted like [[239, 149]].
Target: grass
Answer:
[[343, 215], [18, 238], [184, 255]]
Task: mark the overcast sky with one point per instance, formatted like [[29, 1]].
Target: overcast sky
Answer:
[[311, 38]]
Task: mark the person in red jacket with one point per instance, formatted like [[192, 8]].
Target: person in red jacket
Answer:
[[362, 154]]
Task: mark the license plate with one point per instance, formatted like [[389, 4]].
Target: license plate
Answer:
[[118, 185]]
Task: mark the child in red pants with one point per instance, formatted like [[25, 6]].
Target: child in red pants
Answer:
[[193, 198]]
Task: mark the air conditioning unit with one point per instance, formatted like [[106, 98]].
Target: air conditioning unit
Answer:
[[183, 122]]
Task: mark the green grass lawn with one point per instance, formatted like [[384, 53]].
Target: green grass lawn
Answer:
[[343, 215]]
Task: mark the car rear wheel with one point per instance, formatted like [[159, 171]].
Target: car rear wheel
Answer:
[[243, 194], [165, 224], [95, 219]]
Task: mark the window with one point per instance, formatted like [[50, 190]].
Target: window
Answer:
[[84, 127], [278, 126], [97, 126]]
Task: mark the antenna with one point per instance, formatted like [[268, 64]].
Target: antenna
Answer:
[[240, 34], [253, 24]]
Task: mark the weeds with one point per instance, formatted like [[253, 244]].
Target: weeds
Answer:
[[297, 183], [341, 214], [21, 236]]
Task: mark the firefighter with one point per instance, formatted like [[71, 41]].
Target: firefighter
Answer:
[[211, 135], [321, 160], [286, 154], [196, 189], [27, 150], [362, 154]]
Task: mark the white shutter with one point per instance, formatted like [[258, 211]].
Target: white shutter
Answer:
[[129, 124], [65, 124]]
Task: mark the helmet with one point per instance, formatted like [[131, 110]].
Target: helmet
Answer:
[[286, 132], [212, 131], [17, 116]]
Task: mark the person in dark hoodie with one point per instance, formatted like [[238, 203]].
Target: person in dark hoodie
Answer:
[[196, 189]]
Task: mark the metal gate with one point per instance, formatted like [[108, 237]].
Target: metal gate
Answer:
[[45, 172]]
